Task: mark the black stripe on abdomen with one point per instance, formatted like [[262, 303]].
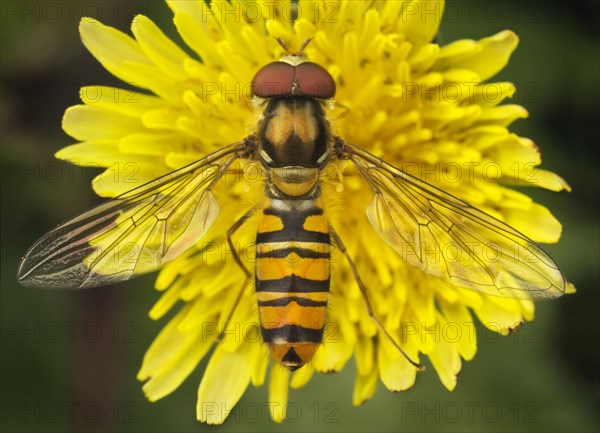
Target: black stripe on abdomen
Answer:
[[286, 235], [292, 283], [292, 334], [282, 302], [304, 253], [293, 226]]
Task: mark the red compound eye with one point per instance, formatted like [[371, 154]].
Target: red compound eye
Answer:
[[314, 81], [277, 79], [274, 79]]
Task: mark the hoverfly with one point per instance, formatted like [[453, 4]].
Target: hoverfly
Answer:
[[292, 143]]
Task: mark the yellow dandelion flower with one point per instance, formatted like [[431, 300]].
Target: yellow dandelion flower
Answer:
[[424, 108]]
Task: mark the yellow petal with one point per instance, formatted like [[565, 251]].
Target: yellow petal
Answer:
[[516, 157], [242, 328], [123, 101], [126, 174], [203, 314], [423, 57], [278, 392], [122, 56], [364, 355], [420, 19], [502, 115], [332, 356], [470, 298], [168, 342], [226, 378], [499, 315], [462, 76], [153, 143], [178, 369], [187, 26], [109, 45], [528, 309], [96, 153], [162, 119], [456, 50], [158, 48], [86, 122], [371, 27], [167, 275], [165, 302], [397, 374], [260, 370], [459, 329], [486, 57], [446, 360], [195, 9], [152, 78], [302, 376], [544, 179], [422, 303], [364, 387], [489, 94], [537, 223]]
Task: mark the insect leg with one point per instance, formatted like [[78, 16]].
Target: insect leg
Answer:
[[363, 291], [239, 262]]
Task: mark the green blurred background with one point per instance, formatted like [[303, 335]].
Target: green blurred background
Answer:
[[69, 359]]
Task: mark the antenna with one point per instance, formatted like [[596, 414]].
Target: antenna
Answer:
[[288, 51], [304, 44], [283, 45]]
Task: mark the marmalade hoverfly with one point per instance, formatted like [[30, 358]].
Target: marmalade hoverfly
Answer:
[[292, 143]]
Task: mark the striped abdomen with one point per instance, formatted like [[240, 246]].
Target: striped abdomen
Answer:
[[292, 278]]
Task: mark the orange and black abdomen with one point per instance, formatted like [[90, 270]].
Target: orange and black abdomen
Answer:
[[293, 253]]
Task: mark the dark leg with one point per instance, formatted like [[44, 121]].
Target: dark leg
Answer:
[[363, 291], [241, 264]]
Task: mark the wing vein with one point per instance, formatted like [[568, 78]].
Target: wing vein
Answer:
[[446, 237]]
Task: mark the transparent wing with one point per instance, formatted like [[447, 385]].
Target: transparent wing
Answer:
[[450, 239], [132, 234]]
